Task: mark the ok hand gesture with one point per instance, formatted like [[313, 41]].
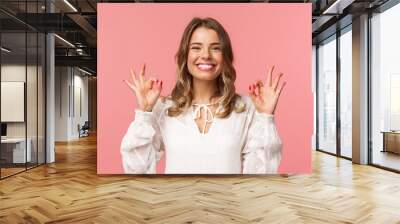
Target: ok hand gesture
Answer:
[[146, 91], [265, 96]]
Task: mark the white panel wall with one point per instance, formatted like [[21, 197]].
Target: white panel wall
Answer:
[[71, 93], [61, 103]]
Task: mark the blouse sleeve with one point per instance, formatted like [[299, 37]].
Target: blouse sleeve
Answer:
[[142, 145], [263, 147]]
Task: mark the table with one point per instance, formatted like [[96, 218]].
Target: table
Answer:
[[391, 141]]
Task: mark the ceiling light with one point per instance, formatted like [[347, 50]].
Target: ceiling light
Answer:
[[5, 50], [84, 71], [337, 7], [70, 5], [64, 40]]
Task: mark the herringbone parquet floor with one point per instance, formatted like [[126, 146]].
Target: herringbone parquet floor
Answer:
[[70, 191]]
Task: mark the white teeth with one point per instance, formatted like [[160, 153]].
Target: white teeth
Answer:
[[205, 66]]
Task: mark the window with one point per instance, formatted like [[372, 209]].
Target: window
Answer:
[[346, 92], [385, 89], [327, 95]]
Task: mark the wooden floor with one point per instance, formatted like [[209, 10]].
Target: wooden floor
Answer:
[[10, 171], [70, 191], [5, 172]]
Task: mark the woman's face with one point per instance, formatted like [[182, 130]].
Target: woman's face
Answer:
[[205, 54]]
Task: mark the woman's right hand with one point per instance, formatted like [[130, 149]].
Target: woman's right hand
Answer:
[[146, 91]]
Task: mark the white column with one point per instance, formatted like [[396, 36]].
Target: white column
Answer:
[[360, 90], [50, 91], [50, 100]]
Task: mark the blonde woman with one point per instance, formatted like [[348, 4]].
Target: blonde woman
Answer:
[[204, 126]]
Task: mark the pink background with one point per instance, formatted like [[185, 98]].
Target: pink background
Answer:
[[262, 35]]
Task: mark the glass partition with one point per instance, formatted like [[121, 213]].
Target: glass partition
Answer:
[[32, 95], [22, 77], [13, 103]]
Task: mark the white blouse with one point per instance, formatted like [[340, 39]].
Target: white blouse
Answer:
[[246, 142]]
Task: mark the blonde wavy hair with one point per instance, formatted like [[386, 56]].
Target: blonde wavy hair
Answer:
[[182, 93]]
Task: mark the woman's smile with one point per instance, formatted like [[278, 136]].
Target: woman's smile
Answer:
[[205, 66]]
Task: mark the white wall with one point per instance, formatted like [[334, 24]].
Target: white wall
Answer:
[[71, 93], [80, 84], [62, 78]]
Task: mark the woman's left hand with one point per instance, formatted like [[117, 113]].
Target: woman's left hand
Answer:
[[265, 96]]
